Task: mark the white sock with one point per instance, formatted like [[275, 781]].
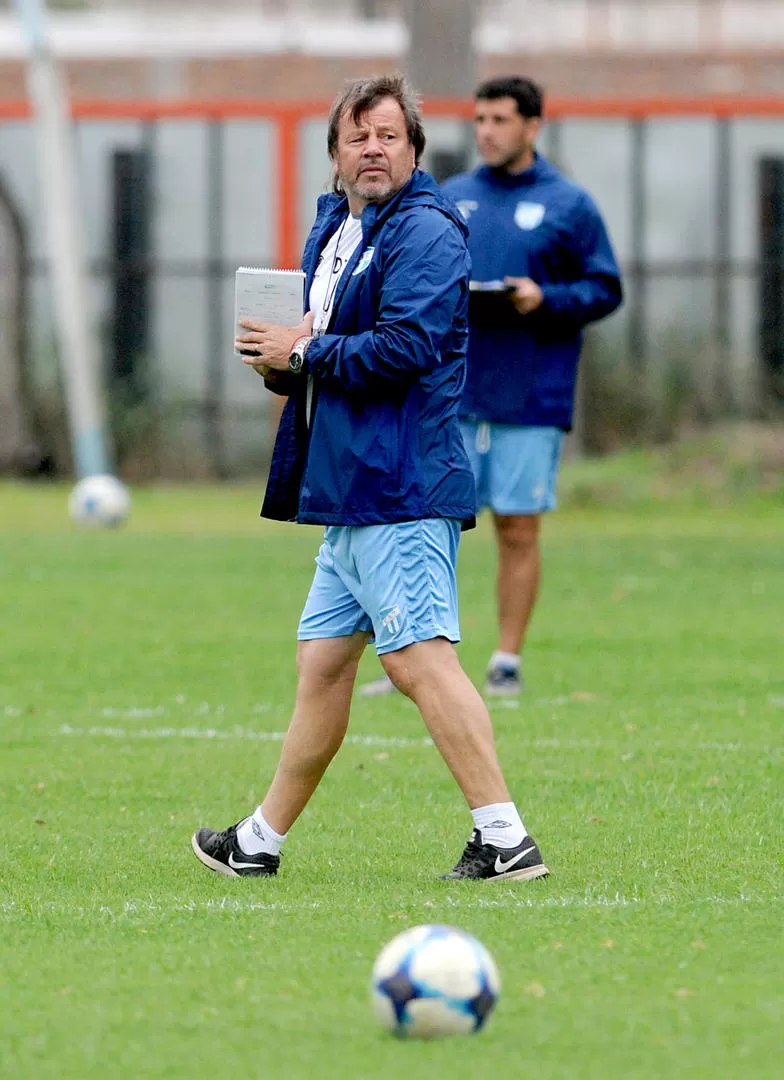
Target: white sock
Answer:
[[255, 835], [505, 659], [499, 824]]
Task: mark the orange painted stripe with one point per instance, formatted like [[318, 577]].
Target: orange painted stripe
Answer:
[[631, 108], [288, 169], [294, 111], [721, 108]]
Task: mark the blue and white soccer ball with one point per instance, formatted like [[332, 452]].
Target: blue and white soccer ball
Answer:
[[432, 981], [100, 500]]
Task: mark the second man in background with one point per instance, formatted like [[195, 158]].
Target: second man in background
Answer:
[[543, 268]]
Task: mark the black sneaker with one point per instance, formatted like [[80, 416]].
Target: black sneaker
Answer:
[[503, 681], [485, 862], [221, 853]]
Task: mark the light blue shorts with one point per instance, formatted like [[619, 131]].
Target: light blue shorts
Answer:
[[515, 468], [396, 581]]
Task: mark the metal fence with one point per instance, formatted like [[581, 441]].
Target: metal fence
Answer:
[[177, 195]]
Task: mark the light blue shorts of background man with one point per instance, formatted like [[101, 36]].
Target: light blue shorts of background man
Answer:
[[515, 468]]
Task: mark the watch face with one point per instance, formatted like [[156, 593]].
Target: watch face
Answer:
[[295, 362]]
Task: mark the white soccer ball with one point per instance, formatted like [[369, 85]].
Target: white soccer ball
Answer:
[[100, 500], [432, 981]]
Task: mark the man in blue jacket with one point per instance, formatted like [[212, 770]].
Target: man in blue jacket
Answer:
[[542, 269], [369, 446]]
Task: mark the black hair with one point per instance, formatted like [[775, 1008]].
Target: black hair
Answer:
[[529, 96]]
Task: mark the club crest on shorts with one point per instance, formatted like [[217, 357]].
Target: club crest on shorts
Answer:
[[364, 262], [392, 620], [529, 215]]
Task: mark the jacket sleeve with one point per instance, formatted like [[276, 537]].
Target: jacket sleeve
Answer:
[[597, 292], [424, 278], [283, 383]]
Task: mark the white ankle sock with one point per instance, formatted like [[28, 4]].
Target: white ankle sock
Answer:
[[255, 835], [505, 659], [499, 824]]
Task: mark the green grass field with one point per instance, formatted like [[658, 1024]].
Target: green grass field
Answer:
[[145, 678]]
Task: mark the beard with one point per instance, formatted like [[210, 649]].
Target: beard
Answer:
[[501, 160], [508, 161], [374, 191]]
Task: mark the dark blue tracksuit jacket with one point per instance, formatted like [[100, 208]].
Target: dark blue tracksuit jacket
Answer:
[[522, 369], [383, 443]]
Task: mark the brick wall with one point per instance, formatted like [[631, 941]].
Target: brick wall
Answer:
[[295, 76]]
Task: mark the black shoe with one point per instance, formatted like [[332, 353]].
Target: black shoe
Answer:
[[503, 682], [485, 862], [221, 853]]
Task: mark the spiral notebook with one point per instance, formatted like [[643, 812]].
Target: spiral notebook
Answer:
[[274, 296]]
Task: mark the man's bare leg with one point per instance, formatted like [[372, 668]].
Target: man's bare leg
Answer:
[[517, 587], [457, 719], [429, 672], [327, 670], [519, 574]]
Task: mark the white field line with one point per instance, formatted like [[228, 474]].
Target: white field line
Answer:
[[232, 734], [180, 707], [244, 734], [137, 907]]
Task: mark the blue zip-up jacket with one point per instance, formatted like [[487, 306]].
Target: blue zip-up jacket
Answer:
[[522, 369], [383, 441]]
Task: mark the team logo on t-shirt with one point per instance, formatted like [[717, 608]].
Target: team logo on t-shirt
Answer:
[[529, 215], [364, 262], [467, 207]]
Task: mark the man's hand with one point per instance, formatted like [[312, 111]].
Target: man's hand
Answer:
[[266, 346], [527, 295]]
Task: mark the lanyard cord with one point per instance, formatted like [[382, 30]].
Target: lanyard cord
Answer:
[[334, 274]]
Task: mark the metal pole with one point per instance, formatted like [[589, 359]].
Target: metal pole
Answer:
[[555, 145], [288, 241], [62, 212], [638, 271], [149, 145], [722, 290], [17, 448], [441, 59], [216, 331]]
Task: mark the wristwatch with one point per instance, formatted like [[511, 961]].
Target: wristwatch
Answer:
[[297, 354]]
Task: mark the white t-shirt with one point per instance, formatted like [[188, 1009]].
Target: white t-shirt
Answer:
[[333, 261]]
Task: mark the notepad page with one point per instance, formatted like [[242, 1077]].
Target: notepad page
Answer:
[[274, 296]]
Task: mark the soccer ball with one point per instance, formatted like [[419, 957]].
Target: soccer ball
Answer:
[[432, 981], [99, 500]]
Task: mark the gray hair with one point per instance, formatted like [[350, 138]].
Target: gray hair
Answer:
[[358, 96]]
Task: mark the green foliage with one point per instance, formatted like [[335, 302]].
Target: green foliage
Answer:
[[718, 467], [145, 674], [684, 386]]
